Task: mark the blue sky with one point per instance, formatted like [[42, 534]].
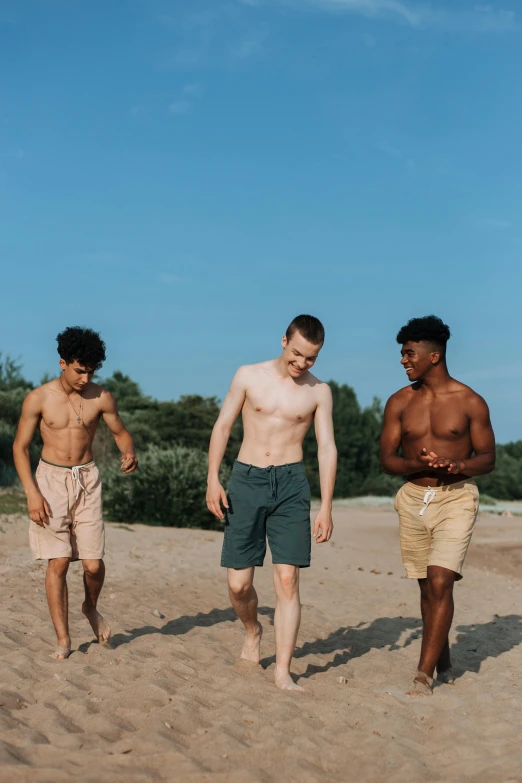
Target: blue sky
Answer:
[[187, 176]]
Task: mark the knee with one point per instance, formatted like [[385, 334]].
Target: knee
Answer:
[[59, 566], [93, 567], [239, 590], [287, 583], [440, 587]]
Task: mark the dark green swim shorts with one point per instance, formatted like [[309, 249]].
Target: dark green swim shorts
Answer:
[[273, 502]]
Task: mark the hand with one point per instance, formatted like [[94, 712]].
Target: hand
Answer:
[[426, 457], [129, 462], [445, 463], [215, 496], [38, 508], [323, 522]]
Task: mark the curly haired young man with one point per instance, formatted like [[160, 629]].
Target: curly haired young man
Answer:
[[64, 501], [437, 434]]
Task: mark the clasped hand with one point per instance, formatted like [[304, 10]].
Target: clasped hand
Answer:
[[432, 460]]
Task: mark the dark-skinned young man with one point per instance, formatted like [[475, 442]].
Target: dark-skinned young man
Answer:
[[437, 434]]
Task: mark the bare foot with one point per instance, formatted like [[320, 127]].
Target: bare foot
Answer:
[[446, 676], [61, 653], [252, 647], [421, 686], [284, 681], [100, 626]]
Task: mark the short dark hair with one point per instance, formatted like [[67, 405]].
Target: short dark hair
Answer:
[[77, 344], [428, 329], [309, 327]]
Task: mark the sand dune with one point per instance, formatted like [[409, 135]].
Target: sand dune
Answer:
[[170, 702]]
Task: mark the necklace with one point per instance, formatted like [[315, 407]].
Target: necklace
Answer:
[[78, 415]]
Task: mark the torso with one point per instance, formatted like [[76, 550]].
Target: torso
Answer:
[[65, 440], [277, 414], [438, 423]]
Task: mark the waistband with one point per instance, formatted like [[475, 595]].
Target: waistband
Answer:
[[89, 464], [417, 491], [289, 467]]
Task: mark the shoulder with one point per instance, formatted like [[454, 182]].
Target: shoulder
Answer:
[[401, 397], [470, 397], [475, 404], [34, 399], [248, 372], [321, 389], [103, 397]]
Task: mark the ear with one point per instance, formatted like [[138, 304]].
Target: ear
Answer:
[[435, 357], [63, 364], [284, 341]]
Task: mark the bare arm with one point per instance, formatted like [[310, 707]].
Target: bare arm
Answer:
[[36, 504], [122, 436], [482, 441], [327, 457], [230, 410], [391, 437]]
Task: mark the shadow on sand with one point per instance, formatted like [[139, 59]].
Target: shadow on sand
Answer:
[[347, 643], [475, 643]]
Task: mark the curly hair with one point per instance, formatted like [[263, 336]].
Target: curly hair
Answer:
[[309, 327], [76, 344], [429, 329]]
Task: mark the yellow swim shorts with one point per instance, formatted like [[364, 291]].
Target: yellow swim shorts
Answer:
[[435, 525]]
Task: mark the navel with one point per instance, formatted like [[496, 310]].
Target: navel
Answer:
[[299, 416], [267, 453]]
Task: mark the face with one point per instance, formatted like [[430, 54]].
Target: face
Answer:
[[418, 359], [76, 375], [299, 354]]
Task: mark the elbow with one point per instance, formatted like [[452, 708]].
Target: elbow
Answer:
[[385, 466], [222, 429], [19, 448], [491, 466], [327, 452]]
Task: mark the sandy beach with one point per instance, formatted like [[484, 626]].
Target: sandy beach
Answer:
[[169, 701]]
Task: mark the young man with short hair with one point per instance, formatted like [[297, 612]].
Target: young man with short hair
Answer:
[[269, 494], [438, 435], [64, 501]]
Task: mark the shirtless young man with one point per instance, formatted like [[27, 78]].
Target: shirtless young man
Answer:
[[65, 500], [269, 494], [443, 430]]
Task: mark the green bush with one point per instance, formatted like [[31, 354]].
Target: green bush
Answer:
[[381, 485], [169, 488]]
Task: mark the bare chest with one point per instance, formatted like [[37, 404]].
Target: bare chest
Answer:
[[290, 407], [69, 414], [441, 420]]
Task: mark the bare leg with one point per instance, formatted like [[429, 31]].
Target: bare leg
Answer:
[[437, 608], [57, 598], [444, 670], [243, 598], [286, 622], [93, 577]]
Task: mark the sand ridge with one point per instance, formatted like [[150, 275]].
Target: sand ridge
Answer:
[[170, 702]]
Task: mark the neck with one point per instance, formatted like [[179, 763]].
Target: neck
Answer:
[[437, 378], [68, 389], [282, 369]]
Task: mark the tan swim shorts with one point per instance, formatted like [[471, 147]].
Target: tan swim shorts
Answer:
[[75, 528], [436, 525]]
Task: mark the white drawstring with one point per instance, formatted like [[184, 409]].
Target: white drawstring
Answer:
[[428, 497], [77, 477]]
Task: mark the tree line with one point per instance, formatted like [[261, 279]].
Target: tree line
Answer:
[[172, 440]]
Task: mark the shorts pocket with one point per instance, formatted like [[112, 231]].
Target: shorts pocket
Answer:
[[397, 498], [473, 493]]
